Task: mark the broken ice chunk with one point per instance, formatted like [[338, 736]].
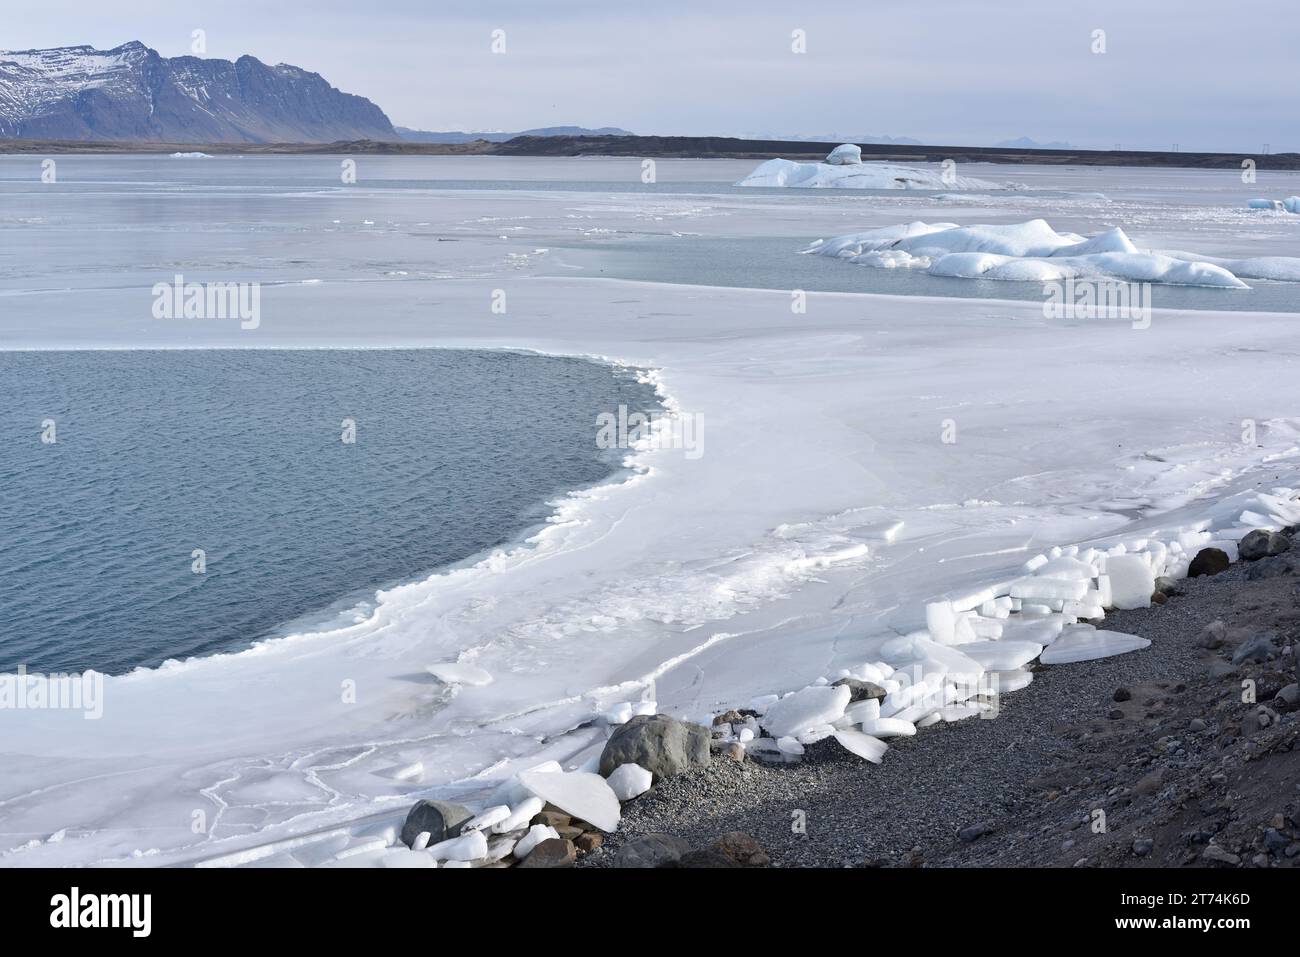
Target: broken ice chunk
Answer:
[[1049, 589], [816, 704], [467, 847], [1131, 581], [1001, 655], [629, 780], [863, 745], [1084, 643], [457, 673], [579, 793], [484, 821]]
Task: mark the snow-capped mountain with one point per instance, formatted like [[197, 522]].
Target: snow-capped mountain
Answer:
[[133, 93]]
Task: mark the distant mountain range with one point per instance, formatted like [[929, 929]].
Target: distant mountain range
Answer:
[[456, 136], [1025, 143], [834, 138], [133, 93]]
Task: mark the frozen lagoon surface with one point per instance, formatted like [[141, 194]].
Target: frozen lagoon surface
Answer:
[[701, 582]]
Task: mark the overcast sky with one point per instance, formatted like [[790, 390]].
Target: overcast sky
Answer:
[[1200, 73]]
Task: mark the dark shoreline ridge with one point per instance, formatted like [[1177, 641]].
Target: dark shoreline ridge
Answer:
[[1160, 741], [685, 147]]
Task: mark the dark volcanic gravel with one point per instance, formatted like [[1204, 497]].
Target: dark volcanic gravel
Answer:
[[1026, 788]]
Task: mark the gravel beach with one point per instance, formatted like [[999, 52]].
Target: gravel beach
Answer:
[[1168, 756]]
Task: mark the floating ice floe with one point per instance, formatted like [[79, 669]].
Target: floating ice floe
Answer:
[[788, 173], [1034, 252]]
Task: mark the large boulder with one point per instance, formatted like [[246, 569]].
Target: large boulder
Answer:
[[662, 745], [1208, 561], [441, 819], [1262, 543]]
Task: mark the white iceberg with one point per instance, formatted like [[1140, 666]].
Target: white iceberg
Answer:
[[1034, 252], [845, 154], [788, 173]]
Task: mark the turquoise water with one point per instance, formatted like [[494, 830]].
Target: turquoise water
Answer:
[[240, 453]]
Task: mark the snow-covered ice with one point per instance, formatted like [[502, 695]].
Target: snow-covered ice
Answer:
[[1033, 251], [789, 173]]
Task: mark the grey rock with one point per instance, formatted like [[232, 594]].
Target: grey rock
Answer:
[[973, 832], [1262, 543], [1274, 567], [1168, 586], [1275, 841], [1208, 561], [1258, 648], [1213, 635], [662, 745], [861, 690], [441, 819], [552, 852], [1122, 694], [741, 849], [1143, 846], [1290, 695], [1214, 854], [651, 850], [1197, 724], [706, 857]]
